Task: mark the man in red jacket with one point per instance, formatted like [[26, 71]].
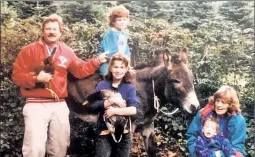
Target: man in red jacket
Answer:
[[46, 113]]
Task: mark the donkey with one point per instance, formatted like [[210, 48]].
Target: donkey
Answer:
[[171, 82]]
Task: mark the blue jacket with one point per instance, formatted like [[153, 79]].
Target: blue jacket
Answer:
[[233, 127], [205, 147], [113, 42]]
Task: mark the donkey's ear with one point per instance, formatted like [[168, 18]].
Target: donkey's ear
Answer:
[[167, 59], [184, 56]]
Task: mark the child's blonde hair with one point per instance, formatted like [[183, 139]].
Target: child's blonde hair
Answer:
[[117, 11], [211, 119]]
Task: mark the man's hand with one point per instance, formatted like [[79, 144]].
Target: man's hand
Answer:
[[103, 58], [43, 77], [132, 71], [238, 154]]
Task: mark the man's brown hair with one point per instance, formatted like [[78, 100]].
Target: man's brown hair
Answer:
[[53, 18]]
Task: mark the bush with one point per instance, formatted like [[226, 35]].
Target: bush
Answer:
[[145, 37], [12, 124], [250, 138]]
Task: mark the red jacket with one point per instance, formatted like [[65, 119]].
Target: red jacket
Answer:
[[64, 61]]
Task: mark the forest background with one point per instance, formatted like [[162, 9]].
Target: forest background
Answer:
[[219, 36]]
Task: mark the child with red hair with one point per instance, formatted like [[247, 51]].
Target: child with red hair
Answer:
[[115, 40]]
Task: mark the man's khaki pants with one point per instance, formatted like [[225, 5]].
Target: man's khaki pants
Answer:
[[46, 127]]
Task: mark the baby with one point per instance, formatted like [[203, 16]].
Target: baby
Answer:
[[210, 140]]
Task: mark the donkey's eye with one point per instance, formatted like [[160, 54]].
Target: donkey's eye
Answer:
[[175, 81]]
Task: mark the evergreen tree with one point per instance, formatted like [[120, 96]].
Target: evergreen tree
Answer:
[[143, 9], [76, 11], [7, 12], [26, 9], [189, 14], [240, 12]]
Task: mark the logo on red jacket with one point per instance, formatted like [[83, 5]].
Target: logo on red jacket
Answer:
[[63, 61]]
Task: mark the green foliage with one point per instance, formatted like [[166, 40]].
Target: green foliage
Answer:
[[149, 35], [173, 129], [143, 9], [7, 12], [76, 11], [195, 13], [220, 50], [12, 124], [240, 12], [250, 150], [87, 35], [11, 33], [82, 137], [24, 9], [28, 9]]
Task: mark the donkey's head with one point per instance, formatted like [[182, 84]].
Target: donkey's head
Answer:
[[178, 82]]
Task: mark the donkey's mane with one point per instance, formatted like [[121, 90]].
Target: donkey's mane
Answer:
[[144, 64], [146, 71], [150, 69]]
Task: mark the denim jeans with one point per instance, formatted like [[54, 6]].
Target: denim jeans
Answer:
[[106, 147]]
